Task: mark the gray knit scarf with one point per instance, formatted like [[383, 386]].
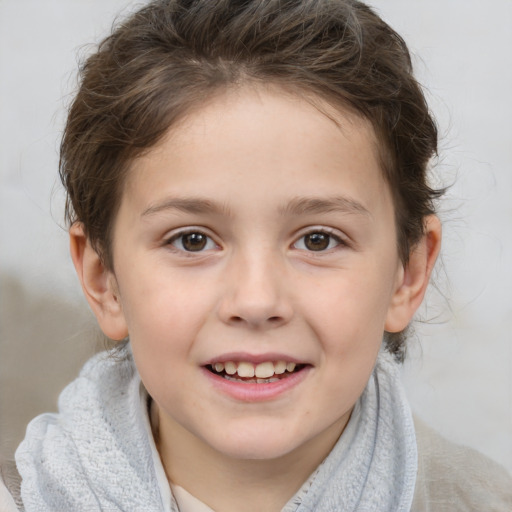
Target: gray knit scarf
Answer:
[[95, 454]]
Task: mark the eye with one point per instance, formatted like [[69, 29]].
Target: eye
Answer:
[[192, 241], [317, 241]]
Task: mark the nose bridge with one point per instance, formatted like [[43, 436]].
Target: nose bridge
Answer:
[[256, 293]]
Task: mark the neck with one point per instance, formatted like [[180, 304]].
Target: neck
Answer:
[[228, 484]]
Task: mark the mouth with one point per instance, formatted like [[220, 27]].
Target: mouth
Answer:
[[250, 373]]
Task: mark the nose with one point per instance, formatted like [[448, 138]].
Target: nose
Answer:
[[255, 293]]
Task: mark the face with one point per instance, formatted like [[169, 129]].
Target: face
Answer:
[[256, 266]]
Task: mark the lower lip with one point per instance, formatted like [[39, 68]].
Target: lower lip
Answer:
[[254, 392]]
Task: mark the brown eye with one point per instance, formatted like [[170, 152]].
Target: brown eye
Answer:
[[317, 241], [194, 241]]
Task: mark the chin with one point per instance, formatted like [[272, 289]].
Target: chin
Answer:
[[258, 446], [257, 451]]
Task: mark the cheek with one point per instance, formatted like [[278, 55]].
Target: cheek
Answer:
[[164, 319], [350, 306], [164, 302]]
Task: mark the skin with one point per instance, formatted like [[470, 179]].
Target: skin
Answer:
[[257, 171]]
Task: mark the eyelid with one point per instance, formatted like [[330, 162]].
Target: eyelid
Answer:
[[336, 234], [175, 234]]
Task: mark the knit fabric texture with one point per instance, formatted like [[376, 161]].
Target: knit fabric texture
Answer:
[[96, 453]]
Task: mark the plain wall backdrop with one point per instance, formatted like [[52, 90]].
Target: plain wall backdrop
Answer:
[[459, 370]]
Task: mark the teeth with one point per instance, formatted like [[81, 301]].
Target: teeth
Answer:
[[245, 370], [264, 370], [230, 367], [252, 381], [260, 372], [233, 379], [279, 367]]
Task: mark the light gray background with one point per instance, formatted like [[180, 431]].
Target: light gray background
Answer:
[[459, 372]]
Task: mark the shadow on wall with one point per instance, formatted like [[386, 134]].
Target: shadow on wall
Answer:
[[44, 341]]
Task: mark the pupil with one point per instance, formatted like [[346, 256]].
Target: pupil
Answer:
[[194, 241], [317, 241]]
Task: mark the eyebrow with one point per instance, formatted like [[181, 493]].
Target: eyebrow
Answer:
[[297, 206], [187, 205], [312, 205]]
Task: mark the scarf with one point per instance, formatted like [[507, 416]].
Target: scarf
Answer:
[[97, 453]]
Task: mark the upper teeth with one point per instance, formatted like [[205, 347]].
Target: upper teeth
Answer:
[[260, 371]]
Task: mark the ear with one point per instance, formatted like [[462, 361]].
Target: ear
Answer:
[[414, 277], [98, 284]]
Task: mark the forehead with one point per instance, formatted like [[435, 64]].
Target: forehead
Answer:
[[269, 141]]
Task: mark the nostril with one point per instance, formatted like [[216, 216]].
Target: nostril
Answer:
[[273, 320]]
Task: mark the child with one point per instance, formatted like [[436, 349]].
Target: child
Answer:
[[249, 206]]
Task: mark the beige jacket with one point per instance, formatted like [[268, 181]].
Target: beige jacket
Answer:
[[454, 478], [6, 502]]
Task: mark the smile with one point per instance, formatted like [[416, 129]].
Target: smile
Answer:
[[262, 373]]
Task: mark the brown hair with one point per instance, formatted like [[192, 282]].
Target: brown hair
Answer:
[[172, 54]]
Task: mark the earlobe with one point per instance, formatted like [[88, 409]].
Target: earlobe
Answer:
[[98, 284], [413, 279]]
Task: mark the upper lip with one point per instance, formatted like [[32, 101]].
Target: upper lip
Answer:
[[253, 358]]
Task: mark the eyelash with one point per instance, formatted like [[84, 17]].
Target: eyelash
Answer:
[[331, 237], [177, 241], [176, 238]]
